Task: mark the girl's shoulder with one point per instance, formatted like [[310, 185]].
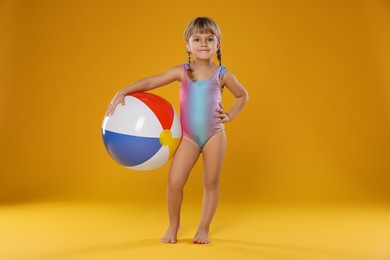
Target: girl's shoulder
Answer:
[[179, 70], [173, 73], [226, 76]]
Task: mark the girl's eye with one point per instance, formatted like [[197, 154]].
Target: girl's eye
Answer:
[[196, 40], [210, 39]]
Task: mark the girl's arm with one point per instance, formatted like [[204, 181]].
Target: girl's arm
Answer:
[[145, 84], [240, 94]]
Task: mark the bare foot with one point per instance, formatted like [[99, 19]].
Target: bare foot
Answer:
[[201, 237], [171, 235]]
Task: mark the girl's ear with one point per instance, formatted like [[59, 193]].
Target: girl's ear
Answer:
[[187, 46]]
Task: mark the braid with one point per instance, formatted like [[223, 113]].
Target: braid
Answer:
[[189, 56], [219, 56]]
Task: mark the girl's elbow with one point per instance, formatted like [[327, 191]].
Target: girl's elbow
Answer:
[[246, 96], [243, 97], [146, 85], [149, 84]]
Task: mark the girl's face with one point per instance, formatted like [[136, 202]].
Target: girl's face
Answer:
[[203, 46]]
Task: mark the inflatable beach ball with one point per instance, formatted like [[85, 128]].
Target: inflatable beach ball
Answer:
[[144, 133]]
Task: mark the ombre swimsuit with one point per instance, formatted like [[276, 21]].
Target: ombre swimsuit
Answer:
[[199, 100]]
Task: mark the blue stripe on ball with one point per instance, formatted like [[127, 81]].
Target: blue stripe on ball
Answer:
[[130, 150]]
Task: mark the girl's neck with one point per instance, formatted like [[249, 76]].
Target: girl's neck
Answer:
[[202, 63]]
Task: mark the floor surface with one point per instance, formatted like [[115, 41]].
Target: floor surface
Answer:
[[83, 231]]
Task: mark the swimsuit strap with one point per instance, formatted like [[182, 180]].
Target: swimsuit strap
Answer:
[[185, 65], [222, 71]]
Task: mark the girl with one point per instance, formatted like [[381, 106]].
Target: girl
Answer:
[[202, 117]]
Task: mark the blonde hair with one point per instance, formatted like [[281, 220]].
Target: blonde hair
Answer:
[[203, 25]]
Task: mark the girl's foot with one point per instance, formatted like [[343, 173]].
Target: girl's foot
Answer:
[[201, 237], [171, 235]]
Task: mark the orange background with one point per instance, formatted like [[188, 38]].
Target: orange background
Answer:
[[316, 127]]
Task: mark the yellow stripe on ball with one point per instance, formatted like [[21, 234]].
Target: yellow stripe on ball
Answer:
[[166, 137]]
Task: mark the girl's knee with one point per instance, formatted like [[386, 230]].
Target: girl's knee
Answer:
[[211, 185], [175, 185]]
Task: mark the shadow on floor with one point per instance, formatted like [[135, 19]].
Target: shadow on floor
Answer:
[[258, 249]]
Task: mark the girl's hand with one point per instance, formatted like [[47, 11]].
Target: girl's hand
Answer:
[[118, 99], [223, 116]]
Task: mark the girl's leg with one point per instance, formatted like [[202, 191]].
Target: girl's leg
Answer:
[[213, 155], [184, 159]]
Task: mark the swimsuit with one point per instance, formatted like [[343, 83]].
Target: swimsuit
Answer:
[[198, 101]]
